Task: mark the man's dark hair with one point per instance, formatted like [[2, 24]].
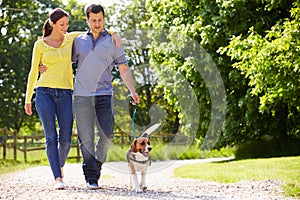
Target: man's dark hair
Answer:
[[94, 8]]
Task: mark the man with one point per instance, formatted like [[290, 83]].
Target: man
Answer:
[[96, 56]]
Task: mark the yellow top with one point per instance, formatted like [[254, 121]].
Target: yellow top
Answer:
[[59, 65]]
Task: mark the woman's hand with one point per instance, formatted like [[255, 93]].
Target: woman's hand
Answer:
[[116, 38], [28, 108]]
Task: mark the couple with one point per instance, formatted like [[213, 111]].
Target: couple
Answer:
[[96, 55]]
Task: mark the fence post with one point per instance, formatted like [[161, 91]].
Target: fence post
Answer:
[[25, 148], [78, 152], [122, 139], [4, 143], [15, 144]]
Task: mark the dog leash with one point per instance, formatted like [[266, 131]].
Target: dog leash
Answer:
[[133, 116], [149, 161]]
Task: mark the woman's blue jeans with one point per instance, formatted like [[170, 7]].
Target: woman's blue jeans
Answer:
[[56, 104]]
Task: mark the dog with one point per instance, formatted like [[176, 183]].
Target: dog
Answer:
[[138, 158]]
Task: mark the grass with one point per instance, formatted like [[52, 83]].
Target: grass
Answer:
[[285, 169], [34, 158], [10, 166], [115, 153]]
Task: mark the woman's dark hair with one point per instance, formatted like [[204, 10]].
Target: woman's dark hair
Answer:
[[94, 8], [54, 16]]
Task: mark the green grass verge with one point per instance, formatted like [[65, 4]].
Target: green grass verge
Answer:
[[285, 169], [115, 153], [10, 166], [118, 153]]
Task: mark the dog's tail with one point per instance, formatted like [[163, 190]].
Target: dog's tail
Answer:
[[148, 132]]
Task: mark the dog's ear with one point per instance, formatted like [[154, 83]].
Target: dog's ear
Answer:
[[133, 147]]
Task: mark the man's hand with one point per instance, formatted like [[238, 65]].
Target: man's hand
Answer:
[[135, 98], [116, 38], [42, 68], [28, 108]]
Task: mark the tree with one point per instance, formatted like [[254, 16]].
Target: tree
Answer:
[[271, 63], [212, 24], [127, 17], [77, 20]]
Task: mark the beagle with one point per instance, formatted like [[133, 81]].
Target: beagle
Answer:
[[138, 158]]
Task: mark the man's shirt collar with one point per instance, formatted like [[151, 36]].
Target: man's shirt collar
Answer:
[[103, 33]]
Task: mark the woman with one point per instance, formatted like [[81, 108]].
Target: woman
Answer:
[[54, 89]]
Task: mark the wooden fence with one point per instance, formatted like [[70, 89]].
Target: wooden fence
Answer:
[[21, 143], [27, 144]]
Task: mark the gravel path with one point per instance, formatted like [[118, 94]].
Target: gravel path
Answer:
[[37, 182]]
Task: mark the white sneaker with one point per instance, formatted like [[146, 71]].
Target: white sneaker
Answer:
[[93, 186], [59, 185]]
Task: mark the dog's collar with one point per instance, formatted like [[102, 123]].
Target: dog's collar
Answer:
[[138, 161], [142, 162]]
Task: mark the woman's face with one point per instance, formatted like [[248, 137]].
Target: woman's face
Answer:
[[61, 25]]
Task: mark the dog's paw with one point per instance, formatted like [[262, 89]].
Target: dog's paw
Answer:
[[144, 188]]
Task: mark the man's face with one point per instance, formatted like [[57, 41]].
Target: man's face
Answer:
[[96, 22]]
